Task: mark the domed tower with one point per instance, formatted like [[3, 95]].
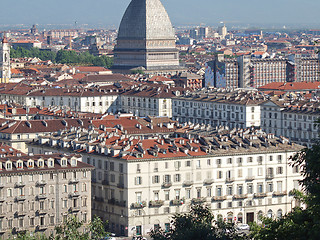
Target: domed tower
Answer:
[[146, 38], [5, 69]]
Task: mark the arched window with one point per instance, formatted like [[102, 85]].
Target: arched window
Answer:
[[240, 218], [279, 213], [230, 217], [270, 213]]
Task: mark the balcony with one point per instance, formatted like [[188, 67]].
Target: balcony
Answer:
[[156, 203], [41, 212], [20, 213], [1, 185], [41, 183], [250, 178], [279, 194], [2, 199], [229, 179], [260, 195], [105, 182], [120, 185], [269, 176], [40, 228], [74, 195], [20, 198], [138, 205], [198, 200], [177, 202], [240, 196], [74, 209], [19, 185], [208, 181], [3, 214], [219, 198], [166, 184], [98, 199], [73, 181], [41, 196], [187, 183], [120, 203]]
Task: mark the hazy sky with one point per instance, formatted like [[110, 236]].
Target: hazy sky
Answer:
[[210, 12]]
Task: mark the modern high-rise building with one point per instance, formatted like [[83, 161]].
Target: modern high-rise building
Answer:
[[5, 71], [146, 38]]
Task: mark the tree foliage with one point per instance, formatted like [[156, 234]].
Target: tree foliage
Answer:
[[72, 229], [301, 223], [199, 223], [63, 56]]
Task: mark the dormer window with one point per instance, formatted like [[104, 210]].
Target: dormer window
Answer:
[[51, 163], [19, 164], [64, 162], [30, 164], [8, 166], [73, 162], [40, 163]]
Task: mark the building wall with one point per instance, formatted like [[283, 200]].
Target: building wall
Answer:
[[232, 185], [40, 200]]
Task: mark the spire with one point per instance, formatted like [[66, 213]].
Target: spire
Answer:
[[4, 40]]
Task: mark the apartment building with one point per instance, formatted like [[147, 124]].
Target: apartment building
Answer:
[[233, 108], [294, 119], [17, 132], [246, 71], [138, 184], [303, 68], [38, 192], [153, 100]]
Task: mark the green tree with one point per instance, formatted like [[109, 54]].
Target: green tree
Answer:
[[71, 230], [199, 223]]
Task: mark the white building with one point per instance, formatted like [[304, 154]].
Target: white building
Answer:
[[139, 183], [294, 119], [235, 108], [5, 69]]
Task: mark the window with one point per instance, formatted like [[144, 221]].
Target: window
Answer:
[[280, 170], [167, 178], [177, 178], [167, 195], [188, 193], [156, 179], [188, 163], [138, 180]]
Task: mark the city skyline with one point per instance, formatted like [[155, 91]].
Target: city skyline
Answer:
[[181, 12]]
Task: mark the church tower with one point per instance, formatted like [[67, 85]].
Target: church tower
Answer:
[[5, 68]]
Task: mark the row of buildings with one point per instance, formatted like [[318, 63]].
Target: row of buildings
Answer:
[[139, 181], [248, 71], [233, 108]]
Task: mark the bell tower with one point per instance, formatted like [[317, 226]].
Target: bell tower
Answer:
[[5, 66]]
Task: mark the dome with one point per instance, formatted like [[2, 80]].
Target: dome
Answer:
[[146, 19]]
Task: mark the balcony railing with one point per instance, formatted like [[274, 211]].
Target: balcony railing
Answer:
[[260, 195], [98, 199], [279, 194], [73, 181], [269, 176], [208, 181], [41, 183], [187, 183], [20, 213], [240, 196], [74, 195], [177, 202], [20, 198], [41, 212], [74, 209], [138, 205], [166, 184], [229, 179], [156, 203], [19, 185], [250, 178], [121, 185], [41, 196], [219, 198], [105, 182]]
